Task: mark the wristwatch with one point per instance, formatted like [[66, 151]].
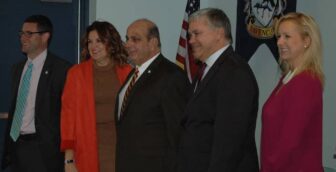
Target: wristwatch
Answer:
[[69, 161]]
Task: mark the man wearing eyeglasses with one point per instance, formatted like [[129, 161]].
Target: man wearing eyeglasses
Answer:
[[33, 130]]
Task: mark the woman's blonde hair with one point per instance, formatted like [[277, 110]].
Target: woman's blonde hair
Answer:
[[312, 56]]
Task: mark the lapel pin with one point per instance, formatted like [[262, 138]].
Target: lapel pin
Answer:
[[46, 72], [149, 71]]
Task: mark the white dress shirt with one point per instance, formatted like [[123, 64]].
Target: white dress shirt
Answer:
[[28, 120]]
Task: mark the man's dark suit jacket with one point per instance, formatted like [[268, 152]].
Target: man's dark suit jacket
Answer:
[[148, 130], [47, 111], [220, 118]]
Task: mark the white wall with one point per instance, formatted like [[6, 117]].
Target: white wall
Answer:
[[168, 14], [322, 12], [92, 10]]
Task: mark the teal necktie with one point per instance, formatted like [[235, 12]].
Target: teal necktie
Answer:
[[21, 103]]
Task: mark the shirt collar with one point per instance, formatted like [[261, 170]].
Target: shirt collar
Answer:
[[212, 59], [39, 60], [145, 65]]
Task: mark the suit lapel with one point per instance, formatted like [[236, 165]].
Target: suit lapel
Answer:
[[43, 81], [17, 76], [212, 71], [142, 81]]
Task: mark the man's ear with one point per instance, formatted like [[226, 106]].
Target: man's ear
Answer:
[[45, 37], [154, 42], [221, 32]]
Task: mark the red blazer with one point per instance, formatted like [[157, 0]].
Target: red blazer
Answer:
[[291, 139], [78, 115]]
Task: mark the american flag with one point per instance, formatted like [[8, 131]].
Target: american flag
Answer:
[[184, 58]]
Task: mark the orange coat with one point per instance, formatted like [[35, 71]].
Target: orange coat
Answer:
[[78, 115]]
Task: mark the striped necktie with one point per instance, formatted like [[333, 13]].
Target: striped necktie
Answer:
[[21, 103], [129, 88], [201, 72], [199, 75]]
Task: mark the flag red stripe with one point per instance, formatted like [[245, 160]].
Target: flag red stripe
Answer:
[[184, 56]]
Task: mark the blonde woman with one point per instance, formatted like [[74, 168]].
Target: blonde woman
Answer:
[[292, 116]]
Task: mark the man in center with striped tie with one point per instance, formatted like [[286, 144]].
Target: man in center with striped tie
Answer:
[[149, 105]]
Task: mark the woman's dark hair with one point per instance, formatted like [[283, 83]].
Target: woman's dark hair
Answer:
[[110, 37]]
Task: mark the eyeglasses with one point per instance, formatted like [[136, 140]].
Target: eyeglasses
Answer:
[[29, 34]]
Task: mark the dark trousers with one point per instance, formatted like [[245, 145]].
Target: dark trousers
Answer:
[[27, 155]]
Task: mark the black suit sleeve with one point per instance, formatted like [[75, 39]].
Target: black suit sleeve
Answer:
[[173, 104], [15, 76], [236, 109]]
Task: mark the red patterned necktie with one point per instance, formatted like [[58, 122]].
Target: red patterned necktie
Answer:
[[129, 88], [201, 72], [199, 75]]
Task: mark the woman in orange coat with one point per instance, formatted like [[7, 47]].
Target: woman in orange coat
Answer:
[[88, 134]]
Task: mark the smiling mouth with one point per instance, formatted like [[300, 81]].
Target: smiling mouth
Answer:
[[95, 52], [24, 45], [283, 50]]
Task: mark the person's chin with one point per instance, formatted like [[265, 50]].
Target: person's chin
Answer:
[[94, 58], [197, 56], [132, 57], [23, 50]]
